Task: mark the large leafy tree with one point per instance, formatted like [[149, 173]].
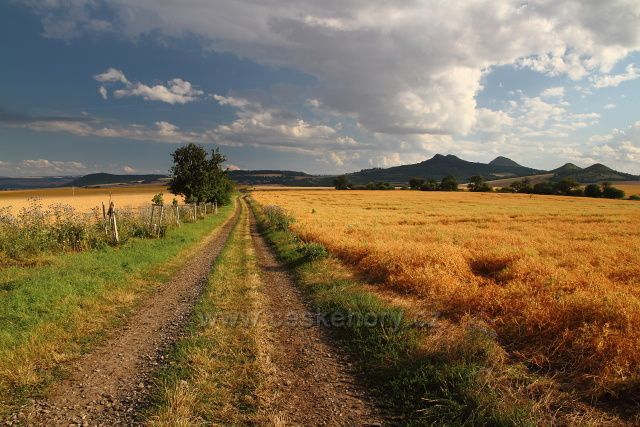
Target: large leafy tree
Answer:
[[219, 186], [342, 183], [198, 177], [449, 183]]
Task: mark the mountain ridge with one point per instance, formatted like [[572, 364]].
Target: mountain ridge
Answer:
[[436, 167]]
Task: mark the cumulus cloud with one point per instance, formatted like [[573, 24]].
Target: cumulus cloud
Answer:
[[103, 92], [613, 80], [48, 167], [176, 91], [76, 125], [404, 75], [112, 75], [397, 68], [621, 145], [553, 92]]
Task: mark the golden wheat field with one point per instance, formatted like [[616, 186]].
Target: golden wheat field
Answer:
[[85, 199], [557, 278], [629, 187]]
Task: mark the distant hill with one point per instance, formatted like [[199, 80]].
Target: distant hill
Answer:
[[593, 173], [274, 177], [566, 169], [107, 178], [505, 162], [500, 171], [440, 166], [34, 182]]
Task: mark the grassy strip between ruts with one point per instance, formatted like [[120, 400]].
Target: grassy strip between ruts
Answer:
[[429, 377], [214, 376], [52, 313]]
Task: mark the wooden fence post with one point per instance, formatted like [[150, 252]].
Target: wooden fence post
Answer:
[[195, 213], [177, 208], [104, 221], [153, 206], [161, 218], [114, 222]]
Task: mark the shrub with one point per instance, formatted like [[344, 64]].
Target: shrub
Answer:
[[278, 218], [592, 190], [342, 183], [523, 186], [478, 184], [416, 183], [158, 199], [566, 187], [449, 183], [634, 197], [373, 186], [612, 192], [313, 251], [543, 188], [430, 185]]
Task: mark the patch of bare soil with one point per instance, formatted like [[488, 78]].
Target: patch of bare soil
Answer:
[[315, 384], [110, 385]]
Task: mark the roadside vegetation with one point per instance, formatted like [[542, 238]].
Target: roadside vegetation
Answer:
[[37, 232], [51, 313], [215, 374], [549, 285]]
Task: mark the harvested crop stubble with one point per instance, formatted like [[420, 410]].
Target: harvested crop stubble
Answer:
[[557, 278]]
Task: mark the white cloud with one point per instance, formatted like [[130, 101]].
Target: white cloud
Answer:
[[405, 75], [233, 167], [103, 92], [73, 127], [553, 92], [620, 146], [613, 80], [609, 106], [44, 166], [128, 169], [177, 91], [395, 67], [272, 127], [112, 75]]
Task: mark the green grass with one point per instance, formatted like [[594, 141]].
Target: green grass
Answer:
[[214, 375], [452, 380], [51, 313]]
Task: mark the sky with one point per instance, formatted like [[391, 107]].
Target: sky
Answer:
[[322, 87]]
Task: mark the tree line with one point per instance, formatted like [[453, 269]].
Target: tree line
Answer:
[[563, 187]]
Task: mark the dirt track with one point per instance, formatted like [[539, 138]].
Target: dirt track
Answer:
[[109, 385], [313, 383], [316, 384]]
